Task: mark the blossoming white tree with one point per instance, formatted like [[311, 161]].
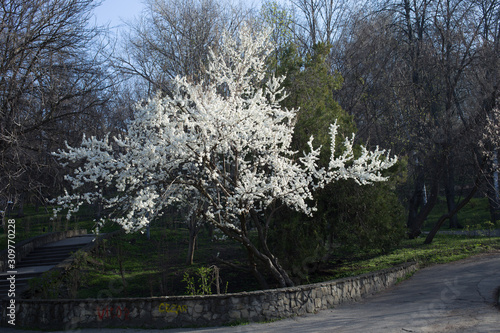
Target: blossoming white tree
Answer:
[[224, 142]]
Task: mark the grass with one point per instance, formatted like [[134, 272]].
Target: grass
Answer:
[[444, 249], [156, 267], [130, 265], [474, 214]]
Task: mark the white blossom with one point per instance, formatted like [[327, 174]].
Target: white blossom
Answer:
[[225, 141]]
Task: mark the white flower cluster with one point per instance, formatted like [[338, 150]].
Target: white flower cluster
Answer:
[[224, 142]]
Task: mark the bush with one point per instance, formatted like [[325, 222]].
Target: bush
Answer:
[[365, 218], [350, 218]]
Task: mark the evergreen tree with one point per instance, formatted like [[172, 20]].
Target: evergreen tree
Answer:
[[348, 215]]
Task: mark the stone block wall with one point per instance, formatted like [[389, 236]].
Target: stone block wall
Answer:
[[179, 311]]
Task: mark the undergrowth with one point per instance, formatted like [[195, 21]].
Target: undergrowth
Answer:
[[153, 268]]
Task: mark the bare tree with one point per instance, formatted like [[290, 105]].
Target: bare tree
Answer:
[[411, 70], [487, 83], [51, 85], [173, 38], [322, 20]]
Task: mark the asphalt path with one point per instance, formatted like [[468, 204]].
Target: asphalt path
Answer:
[[454, 297]]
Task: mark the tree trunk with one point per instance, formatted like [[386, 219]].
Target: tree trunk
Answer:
[[494, 207], [450, 192], [415, 202], [20, 211], [192, 246], [416, 222], [194, 229], [269, 259], [443, 218], [284, 278], [277, 271], [269, 262], [493, 191], [255, 272]]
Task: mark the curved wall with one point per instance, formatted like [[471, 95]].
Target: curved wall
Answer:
[[179, 311]]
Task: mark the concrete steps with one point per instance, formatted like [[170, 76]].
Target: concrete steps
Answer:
[[48, 255], [40, 260], [21, 281]]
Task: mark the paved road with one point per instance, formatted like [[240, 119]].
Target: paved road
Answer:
[[456, 297]]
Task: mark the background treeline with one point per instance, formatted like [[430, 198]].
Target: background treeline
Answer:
[[417, 76]]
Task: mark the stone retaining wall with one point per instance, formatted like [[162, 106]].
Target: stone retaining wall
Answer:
[[26, 246], [179, 311]]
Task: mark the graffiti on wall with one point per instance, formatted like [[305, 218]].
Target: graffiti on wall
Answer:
[[172, 308], [113, 313]]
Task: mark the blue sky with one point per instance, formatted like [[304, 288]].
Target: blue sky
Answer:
[[114, 12]]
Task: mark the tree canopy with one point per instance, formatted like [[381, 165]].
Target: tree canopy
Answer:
[[225, 141]]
